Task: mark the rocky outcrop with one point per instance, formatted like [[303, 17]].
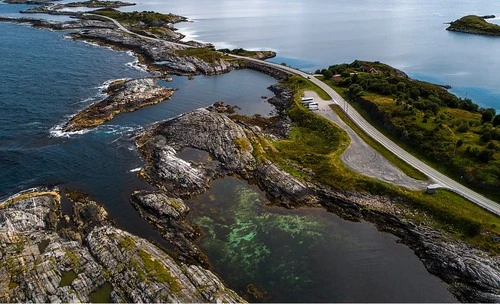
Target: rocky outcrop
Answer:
[[167, 214], [283, 187], [477, 25], [225, 140], [124, 96], [58, 26], [154, 51], [41, 261], [472, 275]]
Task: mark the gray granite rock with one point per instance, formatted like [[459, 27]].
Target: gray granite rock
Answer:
[[39, 265]]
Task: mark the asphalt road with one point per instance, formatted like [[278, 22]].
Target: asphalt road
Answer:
[[440, 179]]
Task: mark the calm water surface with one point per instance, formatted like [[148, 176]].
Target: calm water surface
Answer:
[[305, 255], [312, 34]]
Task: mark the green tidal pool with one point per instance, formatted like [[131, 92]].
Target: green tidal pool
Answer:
[[272, 254]]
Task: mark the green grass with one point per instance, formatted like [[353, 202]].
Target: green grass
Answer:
[[444, 130], [298, 83], [475, 23], [127, 243], [72, 258], [243, 144], [206, 55], [156, 270], [148, 18], [312, 152]]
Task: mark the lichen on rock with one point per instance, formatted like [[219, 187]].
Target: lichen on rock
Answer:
[[39, 263]]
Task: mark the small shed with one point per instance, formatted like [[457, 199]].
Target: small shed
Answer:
[[432, 188], [365, 68]]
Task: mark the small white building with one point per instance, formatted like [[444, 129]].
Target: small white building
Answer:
[[432, 188]]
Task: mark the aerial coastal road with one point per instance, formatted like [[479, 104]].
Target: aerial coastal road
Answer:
[[437, 177], [440, 179]]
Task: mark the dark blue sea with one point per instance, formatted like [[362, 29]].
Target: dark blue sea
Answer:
[[46, 78]]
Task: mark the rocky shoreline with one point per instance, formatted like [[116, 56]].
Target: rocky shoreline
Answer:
[[40, 247], [476, 25], [160, 53], [124, 96], [46, 256], [233, 145]]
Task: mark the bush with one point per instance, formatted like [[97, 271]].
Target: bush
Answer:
[[328, 74], [487, 115], [355, 90], [486, 137], [485, 156], [496, 120], [472, 229]]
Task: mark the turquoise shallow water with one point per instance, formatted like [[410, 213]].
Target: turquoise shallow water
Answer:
[[305, 255]]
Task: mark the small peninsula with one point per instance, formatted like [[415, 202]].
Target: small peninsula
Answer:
[[473, 24], [124, 96]]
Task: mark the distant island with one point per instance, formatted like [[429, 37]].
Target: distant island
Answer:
[[473, 24]]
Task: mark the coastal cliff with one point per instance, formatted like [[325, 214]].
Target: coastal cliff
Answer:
[[46, 256]]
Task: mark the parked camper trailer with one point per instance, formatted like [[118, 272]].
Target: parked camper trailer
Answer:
[[307, 100], [313, 106]]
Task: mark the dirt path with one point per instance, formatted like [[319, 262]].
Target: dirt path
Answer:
[[362, 158]]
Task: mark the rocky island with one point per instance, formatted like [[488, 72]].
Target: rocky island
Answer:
[[124, 96], [473, 24]]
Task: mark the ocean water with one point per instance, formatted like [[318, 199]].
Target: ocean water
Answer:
[[305, 255], [46, 78], [407, 34]]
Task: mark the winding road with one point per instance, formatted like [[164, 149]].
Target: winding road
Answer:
[[440, 179]]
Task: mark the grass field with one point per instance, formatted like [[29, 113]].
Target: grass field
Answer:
[[313, 150]]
